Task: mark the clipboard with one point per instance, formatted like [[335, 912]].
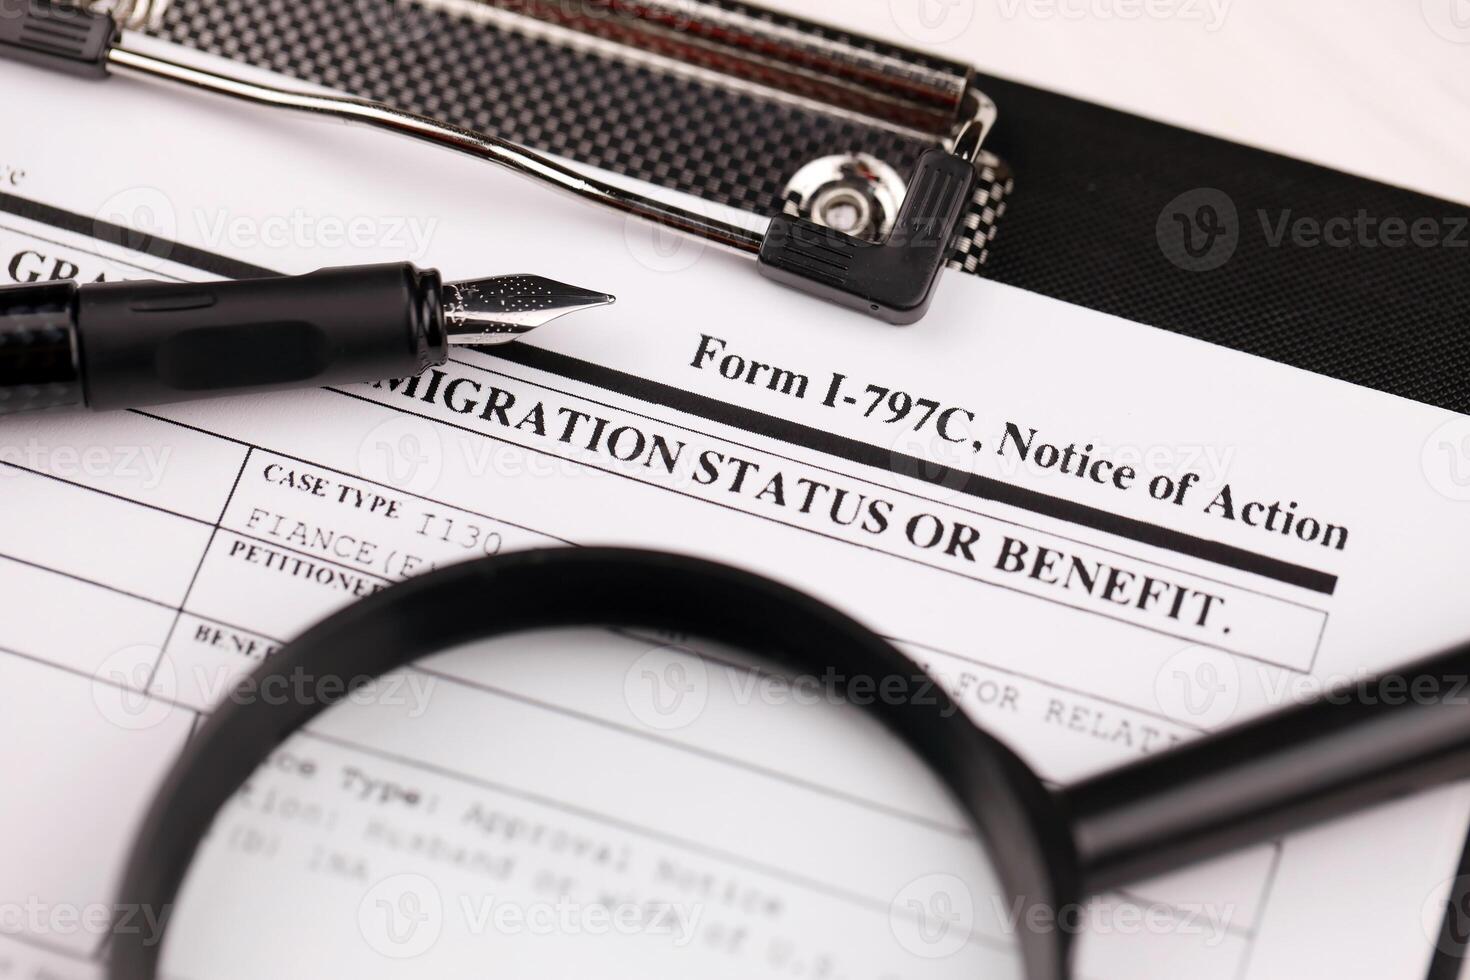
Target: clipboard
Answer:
[[1076, 201], [1335, 274]]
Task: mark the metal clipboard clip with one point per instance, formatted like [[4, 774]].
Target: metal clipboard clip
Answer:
[[847, 227]]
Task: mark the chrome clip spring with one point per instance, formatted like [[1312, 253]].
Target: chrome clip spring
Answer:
[[132, 15]]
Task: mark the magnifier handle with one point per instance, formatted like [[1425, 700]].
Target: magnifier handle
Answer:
[[1405, 731]]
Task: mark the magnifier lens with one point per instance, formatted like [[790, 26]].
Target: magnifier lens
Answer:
[[584, 802]]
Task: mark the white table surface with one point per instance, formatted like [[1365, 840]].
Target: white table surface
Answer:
[[1379, 88]]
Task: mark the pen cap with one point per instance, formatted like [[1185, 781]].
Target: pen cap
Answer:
[[39, 367], [155, 343], [894, 280]]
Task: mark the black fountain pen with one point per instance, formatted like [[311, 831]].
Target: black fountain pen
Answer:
[[114, 345]]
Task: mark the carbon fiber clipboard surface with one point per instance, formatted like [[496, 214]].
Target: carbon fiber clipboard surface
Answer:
[[1107, 211], [1095, 185]]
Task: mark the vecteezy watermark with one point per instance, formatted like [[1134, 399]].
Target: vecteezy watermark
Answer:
[[1199, 230], [1202, 687], [943, 463], [137, 687], [933, 916], [667, 689], [20, 9], [407, 235], [1199, 686], [403, 452], [1363, 229], [660, 248], [133, 688], [401, 917], [1209, 463], [1114, 917], [1450, 19], [937, 915], [146, 222], [398, 21], [1209, 14], [142, 466], [1445, 916], [408, 689], [43, 920], [932, 22], [405, 916], [141, 220], [1366, 687], [1446, 459], [676, 921]]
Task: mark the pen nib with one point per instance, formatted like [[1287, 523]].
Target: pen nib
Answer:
[[504, 308]]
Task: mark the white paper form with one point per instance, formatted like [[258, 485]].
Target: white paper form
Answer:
[[919, 478]]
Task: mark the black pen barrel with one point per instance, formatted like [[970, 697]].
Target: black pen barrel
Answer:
[[134, 344], [1355, 747]]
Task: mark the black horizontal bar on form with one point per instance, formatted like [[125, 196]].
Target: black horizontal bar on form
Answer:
[[867, 454], [724, 413]]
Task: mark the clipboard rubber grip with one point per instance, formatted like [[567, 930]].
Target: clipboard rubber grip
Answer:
[[895, 280], [58, 36]]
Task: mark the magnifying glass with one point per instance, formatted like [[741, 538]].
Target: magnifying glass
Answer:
[[574, 760]]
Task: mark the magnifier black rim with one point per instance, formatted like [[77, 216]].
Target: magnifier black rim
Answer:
[[1025, 836]]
